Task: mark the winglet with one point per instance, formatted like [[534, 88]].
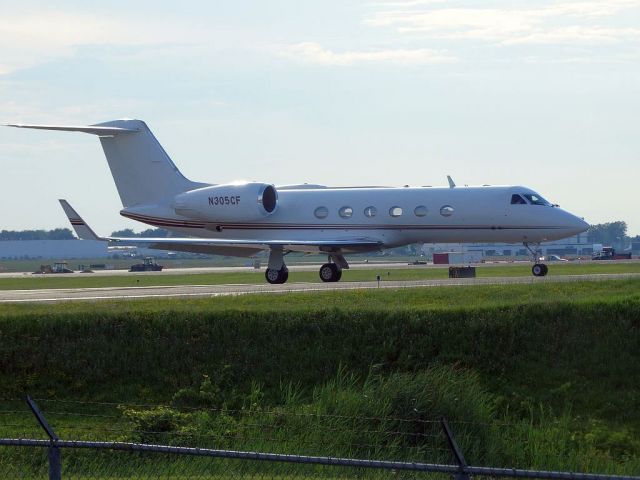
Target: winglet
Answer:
[[83, 230], [451, 182]]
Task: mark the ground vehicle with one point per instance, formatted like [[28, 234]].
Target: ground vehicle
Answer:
[[609, 253], [58, 267], [148, 265], [555, 258]]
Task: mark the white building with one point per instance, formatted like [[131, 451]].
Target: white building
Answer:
[[52, 249]]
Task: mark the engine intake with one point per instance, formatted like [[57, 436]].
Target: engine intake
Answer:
[[229, 202]]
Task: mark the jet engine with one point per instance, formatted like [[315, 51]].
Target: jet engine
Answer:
[[243, 202]]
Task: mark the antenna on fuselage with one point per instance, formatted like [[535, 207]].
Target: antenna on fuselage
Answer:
[[452, 184]]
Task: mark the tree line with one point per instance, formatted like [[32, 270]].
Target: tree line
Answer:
[[55, 234], [66, 234], [610, 233]]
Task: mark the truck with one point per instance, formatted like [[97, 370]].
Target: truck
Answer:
[[148, 265], [609, 253], [454, 258], [58, 267]]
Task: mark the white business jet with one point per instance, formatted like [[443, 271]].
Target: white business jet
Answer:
[[243, 219]]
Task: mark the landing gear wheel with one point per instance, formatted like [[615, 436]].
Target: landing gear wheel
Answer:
[[539, 270], [274, 276], [329, 272]]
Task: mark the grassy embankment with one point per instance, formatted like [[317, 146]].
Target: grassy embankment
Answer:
[[558, 363], [250, 276]]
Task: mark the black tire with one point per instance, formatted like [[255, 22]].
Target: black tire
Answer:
[[329, 272], [276, 277], [538, 270], [545, 269]]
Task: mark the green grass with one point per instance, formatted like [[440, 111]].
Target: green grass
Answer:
[[546, 373], [140, 349], [373, 300], [250, 277]]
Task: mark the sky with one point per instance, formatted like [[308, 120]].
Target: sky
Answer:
[[538, 93]]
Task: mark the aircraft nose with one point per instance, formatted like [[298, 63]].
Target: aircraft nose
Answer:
[[577, 224]]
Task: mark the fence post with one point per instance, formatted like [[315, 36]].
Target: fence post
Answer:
[[462, 463], [55, 463]]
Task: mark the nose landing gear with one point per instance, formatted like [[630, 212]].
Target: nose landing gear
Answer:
[[538, 269]]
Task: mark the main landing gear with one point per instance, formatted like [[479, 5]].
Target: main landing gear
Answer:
[[277, 276], [329, 272], [277, 272], [332, 270], [538, 269]]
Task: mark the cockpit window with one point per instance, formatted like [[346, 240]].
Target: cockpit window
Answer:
[[536, 199], [517, 200]]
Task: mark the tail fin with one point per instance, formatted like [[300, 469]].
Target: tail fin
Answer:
[[83, 230], [141, 169]]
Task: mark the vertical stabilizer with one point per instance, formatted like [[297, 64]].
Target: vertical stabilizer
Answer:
[[141, 169]]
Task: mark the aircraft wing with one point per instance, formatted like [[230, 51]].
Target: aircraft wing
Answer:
[[231, 247]]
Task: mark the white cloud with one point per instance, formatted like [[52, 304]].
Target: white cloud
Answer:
[[30, 38], [577, 35], [559, 23], [314, 53]]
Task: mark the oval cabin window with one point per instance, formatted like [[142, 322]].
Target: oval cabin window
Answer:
[[395, 211], [420, 211], [446, 211], [321, 212], [346, 212], [370, 212]]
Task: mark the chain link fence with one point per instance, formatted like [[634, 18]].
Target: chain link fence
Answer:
[[83, 440]]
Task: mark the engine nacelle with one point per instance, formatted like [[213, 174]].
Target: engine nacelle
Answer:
[[229, 202]]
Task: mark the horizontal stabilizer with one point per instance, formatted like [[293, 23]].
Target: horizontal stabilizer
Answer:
[[93, 129]]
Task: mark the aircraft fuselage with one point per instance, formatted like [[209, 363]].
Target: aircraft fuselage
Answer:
[[392, 216]]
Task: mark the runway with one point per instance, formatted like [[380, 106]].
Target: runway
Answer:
[[298, 267], [203, 291]]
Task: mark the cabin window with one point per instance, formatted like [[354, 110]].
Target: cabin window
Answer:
[[420, 211], [321, 212], [446, 211], [395, 211], [370, 212], [517, 200], [346, 212]]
